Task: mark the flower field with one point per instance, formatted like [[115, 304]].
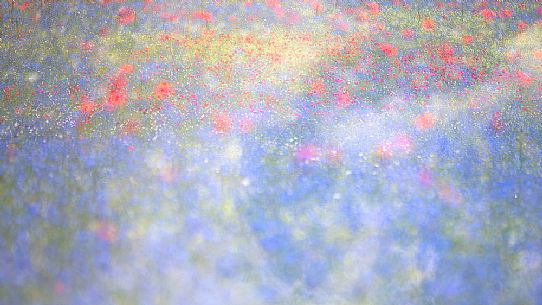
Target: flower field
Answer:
[[327, 152]]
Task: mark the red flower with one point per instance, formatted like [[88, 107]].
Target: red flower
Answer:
[[467, 39], [103, 31], [87, 106], [407, 33], [522, 25], [221, 122], [203, 15], [87, 46], [387, 49], [487, 14], [524, 79], [126, 69], [428, 24], [374, 8], [165, 37], [343, 99], [316, 6], [125, 15], [505, 13], [118, 82], [117, 94], [496, 122], [116, 97], [163, 90], [446, 53], [318, 87]]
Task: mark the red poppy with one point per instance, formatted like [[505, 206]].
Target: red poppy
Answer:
[[524, 79], [116, 97], [118, 82], [126, 69], [487, 14], [318, 87], [125, 15], [316, 6], [505, 13], [467, 39], [221, 122], [163, 90], [446, 53], [522, 25], [428, 24], [387, 49], [87, 106], [23, 6], [374, 8], [203, 15], [87, 46], [103, 31]]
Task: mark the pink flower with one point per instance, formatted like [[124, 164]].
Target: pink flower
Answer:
[[306, 153], [343, 99], [407, 33], [221, 123], [246, 125]]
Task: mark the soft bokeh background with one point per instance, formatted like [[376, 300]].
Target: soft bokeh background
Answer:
[[270, 152]]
